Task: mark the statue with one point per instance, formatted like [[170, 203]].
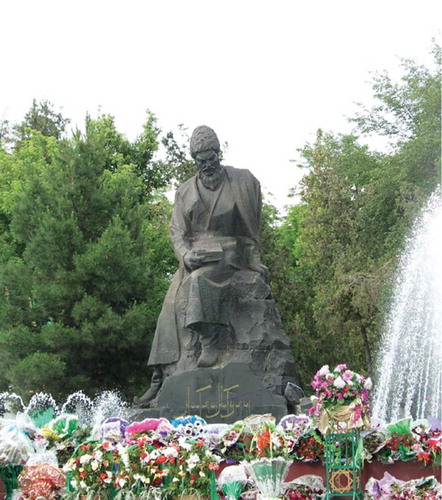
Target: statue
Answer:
[[221, 282]]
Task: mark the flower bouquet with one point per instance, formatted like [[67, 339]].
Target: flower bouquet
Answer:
[[268, 462], [141, 469], [231, 481], [16, 446], [390, 488], [269, 475], [91, 471], [310, 447], [341, 400], [190, 468], [308, 487]]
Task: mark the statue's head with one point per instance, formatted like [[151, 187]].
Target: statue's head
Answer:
[[205, 149]]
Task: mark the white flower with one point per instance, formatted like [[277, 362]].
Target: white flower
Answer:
[[70, 465], [85, 459], [83, 485], [339, 383], [121, 482], [122, 450], [325, 370], [98, 454], [192, 461], [368, 384], [95, 464], [184, 444], [276, 441], [74, 484], [109, 479], [202, 474], [171, 451]]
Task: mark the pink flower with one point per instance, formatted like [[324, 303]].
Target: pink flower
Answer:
[[357, 413], [347, 375], [341, 367], [148, 424]]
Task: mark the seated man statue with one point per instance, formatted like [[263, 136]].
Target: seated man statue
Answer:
[[214, 232]]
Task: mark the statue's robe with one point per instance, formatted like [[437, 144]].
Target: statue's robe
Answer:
[[225, 225]]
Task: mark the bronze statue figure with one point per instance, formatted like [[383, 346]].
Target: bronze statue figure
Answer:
[[221, 282]]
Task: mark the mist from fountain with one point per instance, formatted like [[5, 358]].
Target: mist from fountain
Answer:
[[89, 412], [409, 374]]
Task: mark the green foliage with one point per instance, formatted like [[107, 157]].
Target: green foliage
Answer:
[[40, 370], [357, 207], [290, 283], [88, 264], [42, 118]]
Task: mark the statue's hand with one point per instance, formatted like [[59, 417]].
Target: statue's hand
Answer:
[[196, 258], [261, 269], [193, 260]]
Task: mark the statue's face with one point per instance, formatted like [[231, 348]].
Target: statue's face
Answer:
[[207, 162]]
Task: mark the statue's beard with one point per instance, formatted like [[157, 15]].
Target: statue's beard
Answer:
[[212, 181]]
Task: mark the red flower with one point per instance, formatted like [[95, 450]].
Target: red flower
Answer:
[[160, 460], [424, 457], [263, 442], [85, 446]]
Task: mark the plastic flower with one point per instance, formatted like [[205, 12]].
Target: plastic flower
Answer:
[[339, 383], [325, 370], [368, 384]]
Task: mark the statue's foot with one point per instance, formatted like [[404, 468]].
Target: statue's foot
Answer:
[[207, 359], [146, 400]]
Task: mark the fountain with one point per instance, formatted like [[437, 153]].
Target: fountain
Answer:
[[89, 412], [410, 359]]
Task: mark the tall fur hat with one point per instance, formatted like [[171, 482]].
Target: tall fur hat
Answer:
[[203, 139]]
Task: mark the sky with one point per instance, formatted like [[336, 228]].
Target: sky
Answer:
[[265, 75]]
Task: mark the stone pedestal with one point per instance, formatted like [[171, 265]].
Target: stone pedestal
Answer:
[[222, 395]]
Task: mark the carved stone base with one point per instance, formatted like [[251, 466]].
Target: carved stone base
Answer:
[[222, 395]]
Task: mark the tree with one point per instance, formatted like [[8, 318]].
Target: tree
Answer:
[[291, 284], [340, 246], [82, 296], [41, 117], [359, 205], [408, 114]]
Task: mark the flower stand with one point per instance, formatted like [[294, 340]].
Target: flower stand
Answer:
[[343, 465]]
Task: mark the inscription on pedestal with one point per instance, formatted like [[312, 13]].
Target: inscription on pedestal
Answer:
[[219, 395], [228, 402]]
